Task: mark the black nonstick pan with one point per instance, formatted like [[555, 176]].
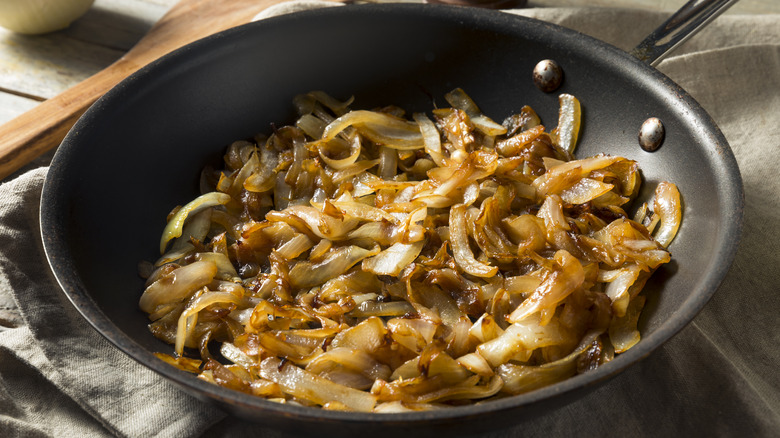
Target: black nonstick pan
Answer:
[[139, 150]]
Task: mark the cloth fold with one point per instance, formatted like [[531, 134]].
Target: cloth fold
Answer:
[[58, 377]]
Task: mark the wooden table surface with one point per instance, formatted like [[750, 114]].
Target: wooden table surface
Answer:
[[35, 68]]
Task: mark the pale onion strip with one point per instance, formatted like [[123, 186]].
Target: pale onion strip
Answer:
[[487, 126], [234, 354], [282, 192], [295, 246], [550, 162], [471, 194], [443, 365], [476, 166], [174, 227], [310, 387], [182, 363], [551, 212], [322, 225], [623, 332], [468, 389], [641, 214], [188, 317], [668, 207], [461, 251], [362, 211], [585, 190], [252, 166], [224, 266], [358, 168], [335, 105], [413, 334], [522, 285], [353, 360], [618, 286], [566, 276], [431, 137], [377, 184], [388, 163], [311, 125], [381, 308], [459, 99], [306, 274], [397, 407], [519, 379], [340, 163], [583, 167], [174, 254], [476, 364], [195, 228], [393, 259], [569, 115], [520, 339], [381, 128], [485, 328], [511, 146], [383, 233], [178, 285], [264, 179]]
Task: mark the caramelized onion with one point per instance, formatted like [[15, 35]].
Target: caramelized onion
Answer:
[[360, 261], [668, 207]]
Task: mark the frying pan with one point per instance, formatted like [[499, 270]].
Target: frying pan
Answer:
[[139, 150]]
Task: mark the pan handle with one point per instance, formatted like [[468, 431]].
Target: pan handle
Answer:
[[691, 18]]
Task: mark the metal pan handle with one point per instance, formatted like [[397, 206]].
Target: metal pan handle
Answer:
[[691, 18]]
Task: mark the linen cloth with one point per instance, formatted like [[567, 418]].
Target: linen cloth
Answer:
[[718, 377]]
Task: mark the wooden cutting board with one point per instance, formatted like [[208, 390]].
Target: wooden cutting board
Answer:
[[42, 128]]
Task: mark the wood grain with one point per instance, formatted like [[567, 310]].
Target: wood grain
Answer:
[[36, 131], [11, 106]]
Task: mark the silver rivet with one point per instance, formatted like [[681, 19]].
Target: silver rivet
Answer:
[[548, 75], [651, 134]]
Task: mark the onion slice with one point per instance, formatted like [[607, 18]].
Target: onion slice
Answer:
[[381, 128], [393, 259], [313, 388], [569, 116], [178, 285], [461, 250], [174, 227], [668, 206]]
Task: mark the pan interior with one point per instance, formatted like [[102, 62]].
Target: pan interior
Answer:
[[139, 151]]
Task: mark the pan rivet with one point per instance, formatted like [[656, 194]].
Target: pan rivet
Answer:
[[651, 134], [548, 75]]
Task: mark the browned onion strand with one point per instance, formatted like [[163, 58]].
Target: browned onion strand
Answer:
[[362, 260]]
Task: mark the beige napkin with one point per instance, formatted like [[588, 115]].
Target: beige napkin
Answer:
[[716, 378]]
